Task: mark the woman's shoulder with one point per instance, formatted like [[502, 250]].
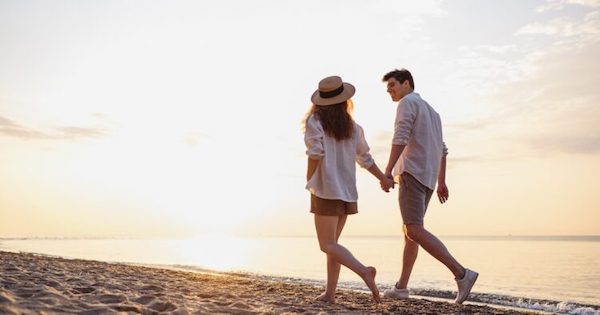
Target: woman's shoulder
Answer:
[[312, 119], [312, 122], [358, 128]]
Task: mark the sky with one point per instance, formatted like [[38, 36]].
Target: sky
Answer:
[[179, 118]]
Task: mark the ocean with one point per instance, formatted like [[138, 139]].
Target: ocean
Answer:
[[555, 274]]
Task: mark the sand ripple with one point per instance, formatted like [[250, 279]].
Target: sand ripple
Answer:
[[34, 284]]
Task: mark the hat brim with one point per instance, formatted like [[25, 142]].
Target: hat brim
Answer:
[[344, 96]]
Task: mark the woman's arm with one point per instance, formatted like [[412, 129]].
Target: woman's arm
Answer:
[[311, 168], [385, 182]]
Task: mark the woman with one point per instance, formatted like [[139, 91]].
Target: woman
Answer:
[[334, 143]]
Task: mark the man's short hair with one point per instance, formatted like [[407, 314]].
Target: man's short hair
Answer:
[[401, 75]]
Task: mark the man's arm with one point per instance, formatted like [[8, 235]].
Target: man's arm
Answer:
[[394, 156], [442, 189]]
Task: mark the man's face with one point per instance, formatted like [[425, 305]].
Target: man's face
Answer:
[[396, 89]]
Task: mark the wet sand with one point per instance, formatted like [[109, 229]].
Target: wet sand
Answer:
[[36, 284]]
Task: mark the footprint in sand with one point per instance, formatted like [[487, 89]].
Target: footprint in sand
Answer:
[[112, 298], [51, 297], [27, 292], [52, 283], [206, 295], [97, 311], [152, 288], [127, 308], [162, 306], [144, 299], [82, 290], [240, 305]]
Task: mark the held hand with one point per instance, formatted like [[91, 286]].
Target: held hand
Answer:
[[386, 184], [389, 175], [442, 192]]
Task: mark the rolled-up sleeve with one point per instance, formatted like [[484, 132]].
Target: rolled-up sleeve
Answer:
[[444, 149], [313, 138], [363, 156], [403, 125]]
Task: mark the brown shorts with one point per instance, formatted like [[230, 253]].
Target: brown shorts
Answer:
[[413, 198], [331, 206]]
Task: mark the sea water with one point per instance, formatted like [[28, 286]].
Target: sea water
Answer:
[[553, 274]]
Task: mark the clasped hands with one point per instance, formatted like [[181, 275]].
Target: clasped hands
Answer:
[[387, 183]]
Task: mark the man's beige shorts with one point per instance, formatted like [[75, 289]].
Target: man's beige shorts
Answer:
[[413, 198], [331, 206]]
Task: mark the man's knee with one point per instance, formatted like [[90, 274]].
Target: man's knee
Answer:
[[413, 232]]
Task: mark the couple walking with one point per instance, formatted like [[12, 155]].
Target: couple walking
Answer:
[[417, 160]]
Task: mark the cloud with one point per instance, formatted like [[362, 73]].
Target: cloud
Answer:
[[482, 69], [583, 143], [13, 129], [427, 7], [565, 27], [536, 98], [78, 132], [556, 109], [475, 124], [4, 122], [193, 139], [560, 4]]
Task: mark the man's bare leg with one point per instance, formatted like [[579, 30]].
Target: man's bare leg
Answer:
[[435, 248], [411, 250]]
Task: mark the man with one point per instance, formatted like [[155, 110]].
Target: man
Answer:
[[418, 159]]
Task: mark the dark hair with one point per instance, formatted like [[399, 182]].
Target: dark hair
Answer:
[[336, 119], [400, 75]]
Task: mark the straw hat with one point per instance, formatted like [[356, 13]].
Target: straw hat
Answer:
[[332, 90]]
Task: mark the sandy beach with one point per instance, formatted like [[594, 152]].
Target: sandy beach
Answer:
[[36, 284]]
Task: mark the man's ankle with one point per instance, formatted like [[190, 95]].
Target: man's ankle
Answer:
[[464, 273]]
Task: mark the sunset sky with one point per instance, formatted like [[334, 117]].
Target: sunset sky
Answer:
[[178, 118]]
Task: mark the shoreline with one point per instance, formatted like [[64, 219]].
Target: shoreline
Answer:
[[32, 283]]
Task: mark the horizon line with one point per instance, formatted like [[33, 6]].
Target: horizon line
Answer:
[[141, 237]]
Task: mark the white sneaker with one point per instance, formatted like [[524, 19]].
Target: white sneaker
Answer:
[[395, 293], [464, 285]]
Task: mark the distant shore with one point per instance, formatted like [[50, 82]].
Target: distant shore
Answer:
[[31, 284]]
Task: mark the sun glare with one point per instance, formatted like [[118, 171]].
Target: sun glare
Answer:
[[220, 251]]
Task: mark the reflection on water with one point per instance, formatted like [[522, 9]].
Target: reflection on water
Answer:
[[215, 252], [558, 269]]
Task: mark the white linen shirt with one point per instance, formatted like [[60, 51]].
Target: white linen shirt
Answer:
[[418, 126], [335, 177]]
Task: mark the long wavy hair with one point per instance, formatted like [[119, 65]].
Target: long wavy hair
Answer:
[[336, 119]]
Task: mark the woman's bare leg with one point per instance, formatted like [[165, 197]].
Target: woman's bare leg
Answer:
[[333, 267], [327, 234]]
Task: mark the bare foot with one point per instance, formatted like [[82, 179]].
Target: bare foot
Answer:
[[324, 297], [369, 278]]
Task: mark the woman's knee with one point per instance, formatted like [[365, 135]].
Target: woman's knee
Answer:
[[326, 246]]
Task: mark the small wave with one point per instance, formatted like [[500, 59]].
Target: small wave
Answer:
[[559, 307], [504, 301], [549, 306]]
